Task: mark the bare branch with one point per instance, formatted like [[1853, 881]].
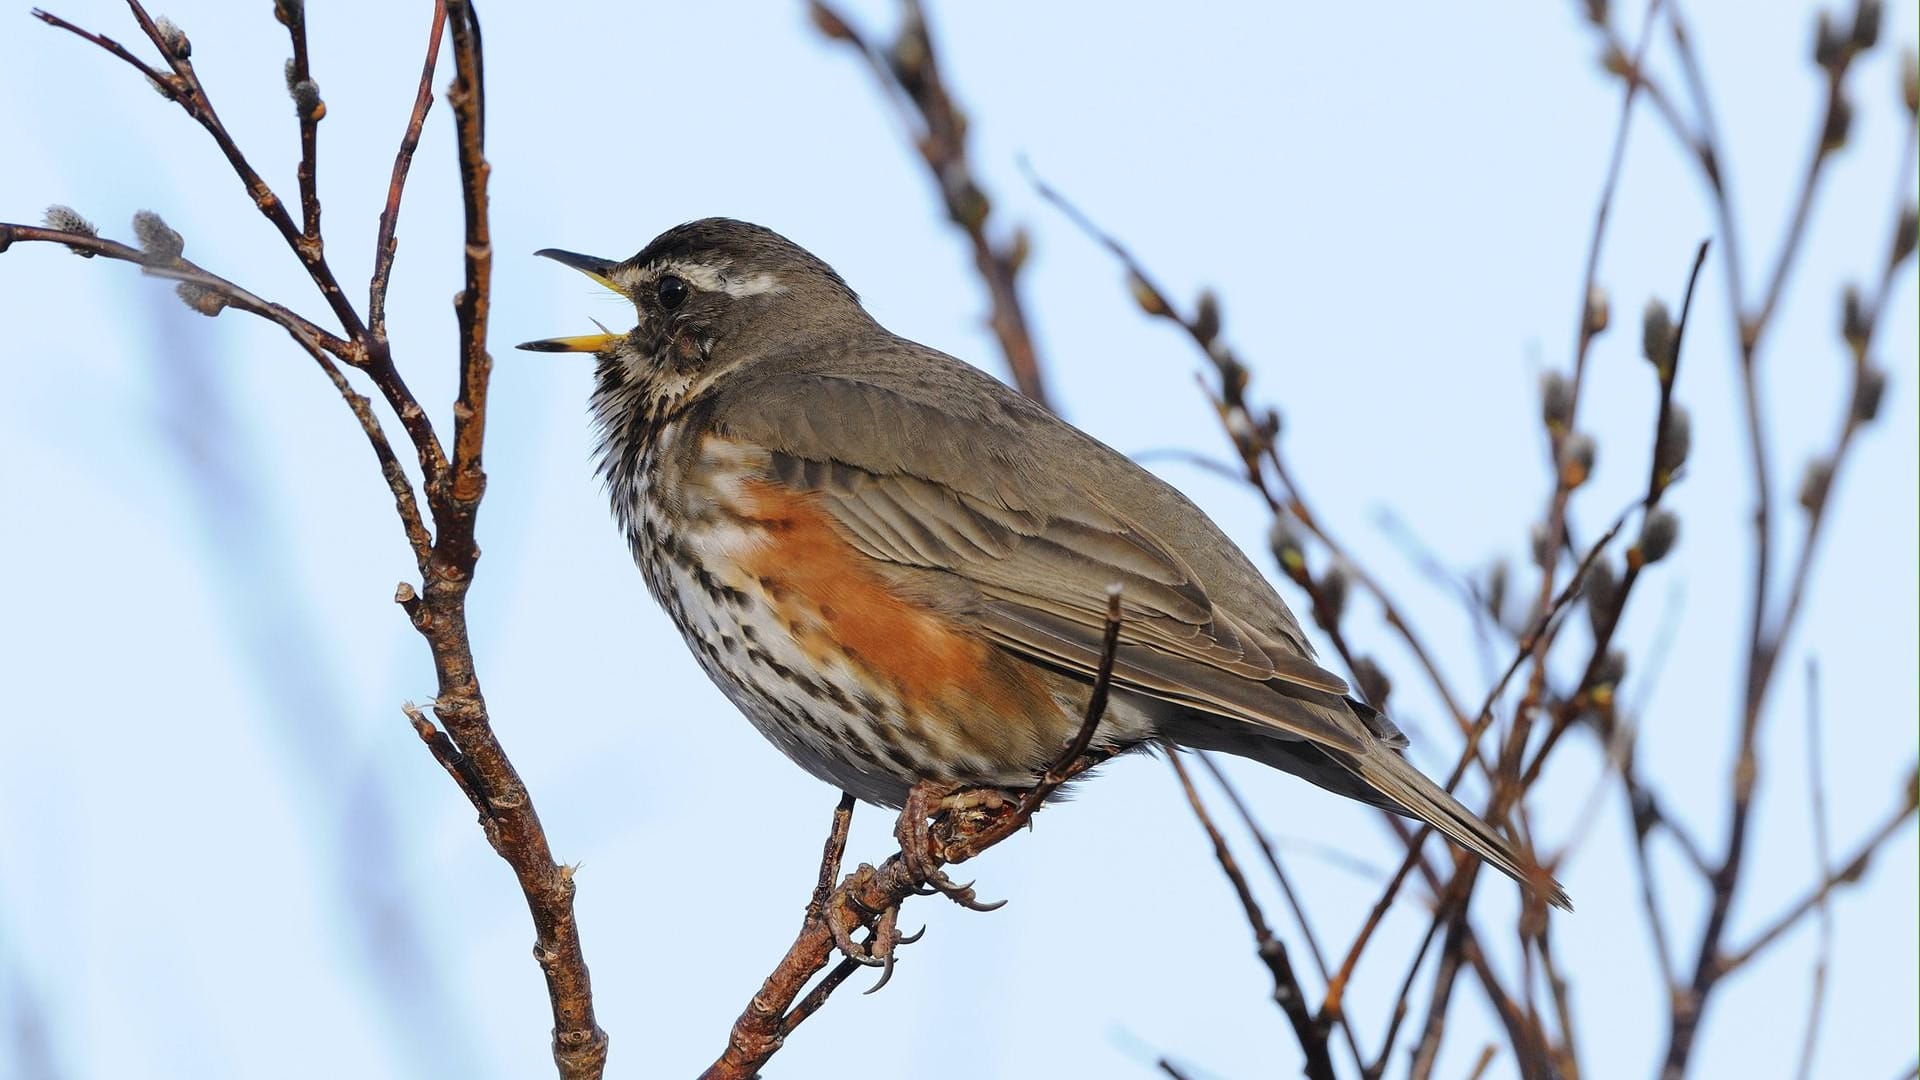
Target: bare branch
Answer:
[[384, 243], [1848, 873], [1823, 863], [1311, 1033]]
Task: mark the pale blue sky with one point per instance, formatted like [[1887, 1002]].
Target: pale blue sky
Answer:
[[208, 784]]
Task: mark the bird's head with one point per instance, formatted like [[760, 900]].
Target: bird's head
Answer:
[[710, 294]]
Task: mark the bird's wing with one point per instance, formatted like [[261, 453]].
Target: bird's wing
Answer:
[[918, 486]]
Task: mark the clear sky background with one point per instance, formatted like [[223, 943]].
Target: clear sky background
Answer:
[[224, 853]]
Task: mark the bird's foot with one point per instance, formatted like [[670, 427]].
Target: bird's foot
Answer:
[[923, 851], [846, 914]]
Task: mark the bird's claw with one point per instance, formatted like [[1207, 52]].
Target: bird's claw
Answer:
[[915, 834], [962, 894]]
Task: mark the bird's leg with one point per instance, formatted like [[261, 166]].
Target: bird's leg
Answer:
[[830, 856], [917, 842]]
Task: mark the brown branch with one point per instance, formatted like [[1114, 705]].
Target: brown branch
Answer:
[[1287, 994], [871, 897], [1567, 464], [460, 499], [311, 110], [1542, 627], [182, 86], [1767, 637], [454, 492], [1591, 694], [187, 271], [1428, 1049], [1280, 875], [1272, 857], [467, 747], [384, 243], [909, 74]]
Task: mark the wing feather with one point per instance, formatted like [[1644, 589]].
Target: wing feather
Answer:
[[1037, 547]]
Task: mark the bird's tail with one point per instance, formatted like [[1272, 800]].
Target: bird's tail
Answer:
[[1378, 776], [1389, 774]]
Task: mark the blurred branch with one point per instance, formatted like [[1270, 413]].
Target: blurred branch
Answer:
[[468, 750], [1836, 47], [1849, 872], [1823, 862], [909, 75]]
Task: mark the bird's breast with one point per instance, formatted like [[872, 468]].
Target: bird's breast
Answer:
[[815, 640]]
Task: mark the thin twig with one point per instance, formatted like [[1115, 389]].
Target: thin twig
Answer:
[[1849, 872], [1542, 625], [293, 13], [384, 243], [187, 271], [1170, 1069], [1823, 863], [1311, 1033], [1280, 875]]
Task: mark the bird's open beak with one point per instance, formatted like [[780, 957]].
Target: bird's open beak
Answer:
[[597, 269]]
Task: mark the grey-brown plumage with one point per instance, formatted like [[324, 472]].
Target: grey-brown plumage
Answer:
[[898, 567]]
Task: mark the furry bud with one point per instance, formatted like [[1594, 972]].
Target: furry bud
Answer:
[[1556, 401], [1866, 24], [1600, 590], [200, 298], [1206, 317], [1814, 484], [1146, 295], [1576, 459], [1333, 592], [1676, 440], [1598, 312], [160, 245], [1284, 539], [172, 38], [306, 99], [1904, 235], [1657, 536], [1373, 683], [67, 219], [1606, 677], [1829, 42], [1867, 392], [1656, 335], [1855, 326]]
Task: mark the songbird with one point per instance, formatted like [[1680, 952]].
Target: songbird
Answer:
[[898, 567]]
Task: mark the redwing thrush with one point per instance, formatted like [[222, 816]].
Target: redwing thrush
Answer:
[[898, 568]]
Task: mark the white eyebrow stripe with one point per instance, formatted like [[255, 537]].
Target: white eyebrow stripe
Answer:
[[702, 276]]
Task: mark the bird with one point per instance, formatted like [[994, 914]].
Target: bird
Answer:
[[899, 568]]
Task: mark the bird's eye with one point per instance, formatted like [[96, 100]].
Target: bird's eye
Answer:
[[672, 292]]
